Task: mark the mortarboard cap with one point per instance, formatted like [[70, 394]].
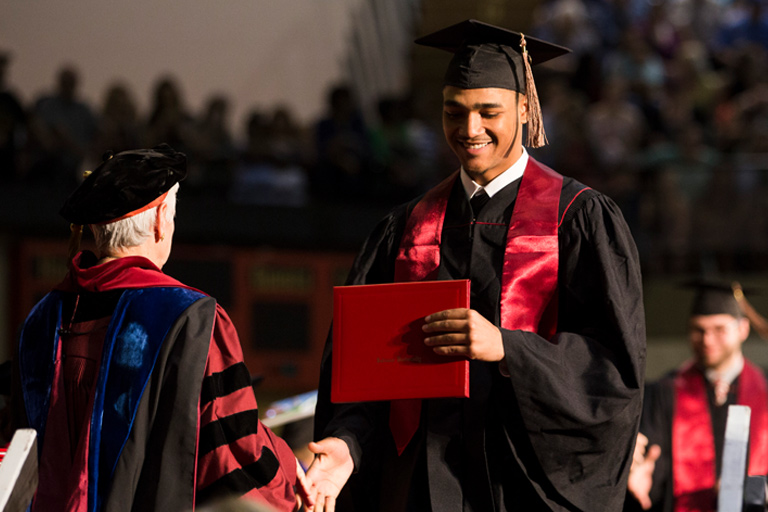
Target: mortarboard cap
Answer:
[[125, 184], [488, 56], [715, 297]]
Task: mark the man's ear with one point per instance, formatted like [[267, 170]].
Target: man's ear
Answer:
[[522, 108], [743, 329], [160, 216]]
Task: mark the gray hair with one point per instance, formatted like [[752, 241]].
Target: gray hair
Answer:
[[132, 231]]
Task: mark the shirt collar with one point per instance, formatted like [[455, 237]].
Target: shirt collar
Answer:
[[729, 374], [499, 182]]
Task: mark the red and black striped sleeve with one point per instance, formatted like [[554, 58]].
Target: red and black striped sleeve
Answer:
[[237, 454]]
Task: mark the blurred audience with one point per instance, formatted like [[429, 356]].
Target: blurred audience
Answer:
[[662, 105]]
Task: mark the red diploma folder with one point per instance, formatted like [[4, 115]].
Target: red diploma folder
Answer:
[[378, 344]]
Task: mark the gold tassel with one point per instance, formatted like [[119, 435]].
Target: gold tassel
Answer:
[[535, 137], [74, 240], [756, 320]]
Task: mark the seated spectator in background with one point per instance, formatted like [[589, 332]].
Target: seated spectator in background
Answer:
[[215, 148], [119, 127], [568, 22], [287, 143], [569, 147], [168, 121], [135, 382], [13, 124], [635, 61], [684, 413], [65, 129], [271, 174], [751, 28], [403, 151], [660, 32], [615, 127], [699, 19], [342, 149]]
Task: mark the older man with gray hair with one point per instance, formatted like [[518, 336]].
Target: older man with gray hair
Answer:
[[135, 382]]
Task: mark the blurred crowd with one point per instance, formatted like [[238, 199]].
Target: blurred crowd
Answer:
[[273, 161], [663, 105]]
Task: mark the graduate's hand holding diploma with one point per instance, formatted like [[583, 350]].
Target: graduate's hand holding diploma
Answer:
[[452, 332], [328, 472], [463, 332]]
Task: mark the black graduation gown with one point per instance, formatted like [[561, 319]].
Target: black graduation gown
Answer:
[[555, 435], [656, 425]]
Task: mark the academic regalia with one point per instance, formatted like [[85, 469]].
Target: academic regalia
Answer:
[[658, 420], [685, 413], [134, 382], [558, 432], [174, 420]]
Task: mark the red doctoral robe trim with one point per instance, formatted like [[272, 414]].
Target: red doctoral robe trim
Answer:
[[693, 442], [138, 272], [529, 276], [122, 273]]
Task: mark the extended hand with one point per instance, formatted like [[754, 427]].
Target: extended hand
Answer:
[[303, 488], [641, 471], [463, 332], [328, 472]]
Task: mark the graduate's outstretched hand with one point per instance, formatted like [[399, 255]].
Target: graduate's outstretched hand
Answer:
[[641, 471], [463, 332], [328, 472]]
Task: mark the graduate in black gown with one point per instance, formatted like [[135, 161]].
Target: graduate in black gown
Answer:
[[685, 412], [555, 336]]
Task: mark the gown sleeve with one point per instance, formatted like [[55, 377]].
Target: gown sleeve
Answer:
[[237, 454], [656, 425], [579, 394], [356, 423]]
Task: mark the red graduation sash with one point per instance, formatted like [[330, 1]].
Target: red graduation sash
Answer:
[[529, 274], [693, 442]]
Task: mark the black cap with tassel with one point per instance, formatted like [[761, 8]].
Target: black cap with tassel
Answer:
[[487, 56], [716, 296]]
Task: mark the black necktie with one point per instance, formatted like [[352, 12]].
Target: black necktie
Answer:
[[478, 201]]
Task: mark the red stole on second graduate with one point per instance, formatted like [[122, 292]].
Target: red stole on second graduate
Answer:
[[529, 275], [693, 443]]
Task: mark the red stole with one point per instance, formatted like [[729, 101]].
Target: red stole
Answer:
[[529, 275], [693, 443]]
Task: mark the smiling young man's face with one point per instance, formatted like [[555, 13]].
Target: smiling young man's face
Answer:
[[716, 340], [484, 129]]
